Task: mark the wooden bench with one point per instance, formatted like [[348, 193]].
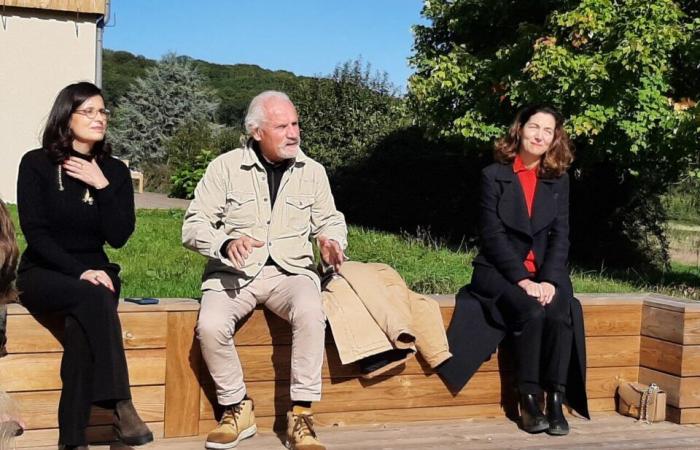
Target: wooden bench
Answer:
[[635, 337], [135, 176]]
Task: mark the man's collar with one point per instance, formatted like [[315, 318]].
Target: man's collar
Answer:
[[250, 156]]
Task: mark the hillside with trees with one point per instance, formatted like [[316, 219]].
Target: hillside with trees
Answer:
[[234, 85]]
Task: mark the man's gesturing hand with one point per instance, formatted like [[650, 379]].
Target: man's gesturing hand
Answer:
[[239, 249], [331, 252]]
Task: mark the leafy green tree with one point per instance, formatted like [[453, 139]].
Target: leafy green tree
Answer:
[[170, 95], [344, 115], [610, 66]]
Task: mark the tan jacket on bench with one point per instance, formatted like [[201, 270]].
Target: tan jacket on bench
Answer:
[[369, 306]]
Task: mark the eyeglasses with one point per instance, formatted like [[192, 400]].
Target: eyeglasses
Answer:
[[91, 113]]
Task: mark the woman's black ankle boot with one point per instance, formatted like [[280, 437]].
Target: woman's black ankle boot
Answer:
[[558, 426], [531, 418]]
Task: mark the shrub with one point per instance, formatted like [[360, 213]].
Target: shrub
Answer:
[[185, 179]]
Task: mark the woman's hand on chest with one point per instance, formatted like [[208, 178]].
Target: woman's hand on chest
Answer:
[[86, 171]]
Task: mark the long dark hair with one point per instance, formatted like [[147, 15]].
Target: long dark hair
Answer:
[[560, 154], [58, 138], [9, 253]]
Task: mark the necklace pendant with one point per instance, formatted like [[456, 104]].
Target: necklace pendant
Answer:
[[87, 198]]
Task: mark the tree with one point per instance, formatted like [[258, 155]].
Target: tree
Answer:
[[344, 115], [607, 65], [171, 94]]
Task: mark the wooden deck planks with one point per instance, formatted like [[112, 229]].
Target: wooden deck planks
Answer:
[[606, 430]]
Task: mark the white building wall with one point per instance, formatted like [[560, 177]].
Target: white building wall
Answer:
[[40, 53]]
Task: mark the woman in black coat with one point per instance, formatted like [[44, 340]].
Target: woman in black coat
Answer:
[[520, 275], [72, 198]]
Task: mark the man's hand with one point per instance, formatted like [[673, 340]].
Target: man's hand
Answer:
[[239, 249], [331, 252]]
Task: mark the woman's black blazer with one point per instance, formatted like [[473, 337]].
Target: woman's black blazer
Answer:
[[507, 233]]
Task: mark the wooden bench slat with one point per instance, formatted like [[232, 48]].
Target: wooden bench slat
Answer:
[[673, 325], [403, 392], [612, 319], [41, 371], [40, 408], [662, 324], [681, 392], [611, 351], [269, 363], [164, 304], [666, 356], [682, 416], [354, 395], [139, 331]]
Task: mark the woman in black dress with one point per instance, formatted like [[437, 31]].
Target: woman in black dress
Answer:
[[72, 197]]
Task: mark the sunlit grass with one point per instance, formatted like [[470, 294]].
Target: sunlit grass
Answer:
[[155, 264]]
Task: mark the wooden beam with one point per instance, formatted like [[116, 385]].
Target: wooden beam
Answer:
[[41, 371], [79, 6], [664, 356], [183, 361], [680, 392], [39, 408], [139, 331]]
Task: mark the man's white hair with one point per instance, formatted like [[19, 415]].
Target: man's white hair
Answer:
[[256, 114]]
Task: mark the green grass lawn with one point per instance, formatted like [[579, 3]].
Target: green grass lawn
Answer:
[[154, 263]]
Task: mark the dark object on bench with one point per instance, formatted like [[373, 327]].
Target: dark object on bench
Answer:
[[142, 300], [380, 363]]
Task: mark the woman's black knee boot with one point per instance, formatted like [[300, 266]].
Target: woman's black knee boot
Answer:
[[558, 426], [531, 418]]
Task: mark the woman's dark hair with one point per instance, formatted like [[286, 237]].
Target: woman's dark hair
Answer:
[[558, 158], [58, 138], [9, 254]]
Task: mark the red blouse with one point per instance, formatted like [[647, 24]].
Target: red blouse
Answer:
[[528, 181]]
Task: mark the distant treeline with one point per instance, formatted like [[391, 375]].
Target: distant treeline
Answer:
[[234, 84]]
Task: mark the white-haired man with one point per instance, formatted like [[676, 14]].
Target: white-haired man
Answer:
[[253, 215]]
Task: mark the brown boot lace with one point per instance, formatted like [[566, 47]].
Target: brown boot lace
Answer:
[[304, 426], [231, 414]]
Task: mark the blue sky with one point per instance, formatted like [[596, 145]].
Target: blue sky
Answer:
[[307, 37]]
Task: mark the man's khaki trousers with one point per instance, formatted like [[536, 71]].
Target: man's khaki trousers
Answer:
[[294, 298]]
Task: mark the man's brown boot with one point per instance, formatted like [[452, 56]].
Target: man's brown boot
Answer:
[[237, 423], [300, 430], [128, 426]]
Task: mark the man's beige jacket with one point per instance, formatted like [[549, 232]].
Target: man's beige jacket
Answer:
[[233, 200], [370, 310]]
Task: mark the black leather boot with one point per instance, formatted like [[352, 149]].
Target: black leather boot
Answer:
[[128, 426], [531, 418], [558, 426]]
